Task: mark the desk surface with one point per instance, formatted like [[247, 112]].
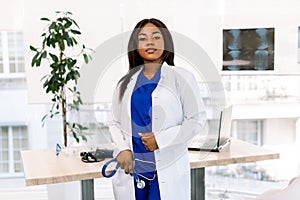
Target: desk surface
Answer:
[[238, 152], [44, 167]]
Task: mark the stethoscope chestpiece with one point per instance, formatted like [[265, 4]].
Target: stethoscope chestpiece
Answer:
[[140, 184]]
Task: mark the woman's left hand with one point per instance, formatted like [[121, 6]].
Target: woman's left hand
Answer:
[[149, 141]]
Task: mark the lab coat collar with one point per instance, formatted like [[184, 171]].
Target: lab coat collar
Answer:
[[163, 69]]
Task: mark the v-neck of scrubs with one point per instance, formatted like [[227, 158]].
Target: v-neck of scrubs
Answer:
[[155, 78]]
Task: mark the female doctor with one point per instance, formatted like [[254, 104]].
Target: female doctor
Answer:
[[156, 110]]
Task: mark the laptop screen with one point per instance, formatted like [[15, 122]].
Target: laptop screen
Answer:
[[219, 130]]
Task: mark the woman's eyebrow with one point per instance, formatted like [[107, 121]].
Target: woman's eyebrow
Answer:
[[152, 33], [155, 32]]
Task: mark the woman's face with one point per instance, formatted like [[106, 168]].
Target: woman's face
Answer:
[[150, 44]]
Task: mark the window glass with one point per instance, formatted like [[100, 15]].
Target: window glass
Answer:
[[247, 130], [14, 139], [11, 52], [15, 51]]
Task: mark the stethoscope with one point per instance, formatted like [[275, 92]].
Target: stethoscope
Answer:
[[139, 183]]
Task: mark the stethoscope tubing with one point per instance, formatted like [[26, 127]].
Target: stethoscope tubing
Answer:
[[103, 171], [140, 183]]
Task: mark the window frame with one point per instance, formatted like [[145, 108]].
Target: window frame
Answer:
[[259, 131], [6, 52], [11, 150]]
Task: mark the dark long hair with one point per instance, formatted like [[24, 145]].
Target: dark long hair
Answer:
[[135, 60]]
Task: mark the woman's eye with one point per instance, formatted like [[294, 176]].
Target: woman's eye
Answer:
[[156, 37], [141, 39]]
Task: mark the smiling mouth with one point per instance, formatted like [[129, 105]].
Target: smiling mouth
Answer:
[[150, 50]]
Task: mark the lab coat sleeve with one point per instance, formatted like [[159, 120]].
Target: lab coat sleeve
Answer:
[[114, 124], [194, 118]]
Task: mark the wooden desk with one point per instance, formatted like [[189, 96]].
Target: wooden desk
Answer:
[[44, 167]]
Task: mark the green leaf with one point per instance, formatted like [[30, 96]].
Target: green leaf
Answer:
[[38, 61], [44, 77], [84, 138], [34, 59], [32, 48], [86, 59], [75, 32], [80, 101], [54, 57], [68, 24], [48, 41], [52, 42], [67, 38], [74, 41], [74, 22], [44, 54], [62, 45], [52, 26], [60, 19], [76, 138], [45, 116], [45, 19], [43, 120]]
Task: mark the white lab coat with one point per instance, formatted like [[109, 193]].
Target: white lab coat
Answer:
[[178, 115]]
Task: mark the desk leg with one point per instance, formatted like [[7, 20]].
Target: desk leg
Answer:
[[87, 189], [198, 184]]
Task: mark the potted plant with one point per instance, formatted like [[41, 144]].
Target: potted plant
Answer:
[[60, 41]]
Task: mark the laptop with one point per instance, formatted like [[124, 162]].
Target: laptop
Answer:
[[215, 142]]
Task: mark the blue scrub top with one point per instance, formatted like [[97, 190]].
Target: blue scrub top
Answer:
[[141, 121]]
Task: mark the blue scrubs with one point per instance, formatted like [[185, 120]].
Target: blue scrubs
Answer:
[[141, 121]]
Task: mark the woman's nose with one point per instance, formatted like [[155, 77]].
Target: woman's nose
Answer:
[[150, 41]]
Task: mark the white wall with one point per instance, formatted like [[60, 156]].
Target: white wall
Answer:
[[12, 14], [13, 106], [279, 131], [280, 136], [199, 20]]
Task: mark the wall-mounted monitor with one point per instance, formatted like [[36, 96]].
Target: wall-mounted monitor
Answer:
[[248, 49]]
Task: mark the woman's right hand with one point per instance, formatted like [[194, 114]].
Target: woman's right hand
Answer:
[[124, 159]]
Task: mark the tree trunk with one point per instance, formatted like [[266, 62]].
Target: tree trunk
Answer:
[[64, 115]]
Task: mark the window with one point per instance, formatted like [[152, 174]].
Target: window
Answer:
[[13, 139], [11, 53], [248, 130]]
